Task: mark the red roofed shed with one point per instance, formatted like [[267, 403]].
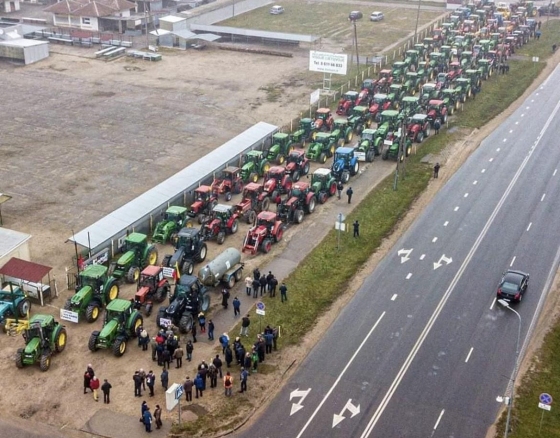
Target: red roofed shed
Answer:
[[29, 276]]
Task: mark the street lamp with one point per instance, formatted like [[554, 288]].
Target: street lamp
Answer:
[[510, 404], [353, 17]]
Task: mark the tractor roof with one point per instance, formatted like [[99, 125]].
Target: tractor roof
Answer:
[[231, 169], [253, 187], [398, 63], [203, 189], [267, 216], [188, 232], [136, 238], [322, 135], [301, 185], [254, 153], [411, 74], [455, 63], [390, 113], [119, 305], [338, 122], [380, 96], [449, 91], [435, 102], [470, 71], [429, 85], [323, 111], [369, 131], [322, 171], [351, 93], [276, 169], [385, 71], [461, 80], [176, 209], [221, 208], [187, 280], [344, 150], [94, 271], [360, 108], [297, 152], [152, 271], [396, 86], [44, 320], [412, 52], [466, 52], [419, 117], [412, 99], [306, 120], [280, 135]]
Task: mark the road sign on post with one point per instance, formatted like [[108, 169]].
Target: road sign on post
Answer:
[[545, 402], [340, 226]]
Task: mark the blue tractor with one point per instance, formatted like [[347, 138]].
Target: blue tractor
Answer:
[[345, 164]]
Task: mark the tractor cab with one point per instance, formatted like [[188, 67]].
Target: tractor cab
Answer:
[[398, 71], [437, 110], [266, 219], [188, 238], [411, 57], [202, 194], [410, 105], [369, 85], [396, 93], [429, 91], [323, 119], [175, 214], [251, 157], [296, 156], [419, 47], [222, 212], [429, 43], [389, 121], [467, 59], [368, 134], [150, 277]]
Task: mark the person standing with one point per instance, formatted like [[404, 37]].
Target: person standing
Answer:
[[269, 277], [228, 355], [178, 356], [106, 388], [137, 384], [273, 285], [248, 285], [284, 292], [164, 379], [189, 348], [144, 340], [217, 362], [236, 306], [193, 333], [245, 323], [349, 193], [150, 381], [243, 378], [211, 328], [356, 229], [166, 358], [188, 386], [247, 361], [224, 341], [94, 385], [339, 188], [256, 274], [90, 370], [147, 418], [269, 340], [143, 377], [157, 417], [437, 126], [256, 287], [212, 375], [228, 384], [262, 282], [87, 380], [153, 344], [202, 322], [198, 386], [203, 372], [436, 170], [225, 298]]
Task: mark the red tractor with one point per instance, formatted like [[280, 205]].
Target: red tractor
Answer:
[[384, 81], [379, 103], [436, 110], [224, 220], [267, 230], [346, 103], [363, 97], [297, 165], [323, 119], [455, 71], [300, 201], [229, 183], [152, 287], [418, 127], [205, 200], [255, 200], [277, 182]]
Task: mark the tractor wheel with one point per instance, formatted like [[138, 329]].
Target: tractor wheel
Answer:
[[92, 312], [370, 156], [251, 216], [166, 260], [452, 110], [60, 340], [201, 256], [298, 216], [332, 189], [185, 323], [359, 129], [119, 347], [265, 204], [221, 238], [23, 307], [323, 158], [45, 362], [234, 226], [323, 197], [149, 307], [160, 315], [254, 177], [279, 234], [152, 256], [306, 168], [161, 293], [92, 343], [201, 218], [340, 142], [132, 275], [280, 159], [349, 136], [420, 137], [456, 105], [295, 175], [408, 150], [266, 246], [385, 154], [238, 275], [19, 358], [187, 268], [230, 282], [112, 291], [355, 169], [136, 323], [68, 304], [228, 196], [311, 206], [275, 194], [205, 303], [345, 177], [238, 188], [331, 150]]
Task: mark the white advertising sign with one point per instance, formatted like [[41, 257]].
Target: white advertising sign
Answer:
[[68, 315], [328, 62], [170, 397], [315, 96], [169, 272]]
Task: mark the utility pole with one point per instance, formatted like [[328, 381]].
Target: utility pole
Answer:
[[353, 17], [147, 16], [417, 18]]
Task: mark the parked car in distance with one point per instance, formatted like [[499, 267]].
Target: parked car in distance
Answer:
[[513, 285], [276, 10], [376, 16]]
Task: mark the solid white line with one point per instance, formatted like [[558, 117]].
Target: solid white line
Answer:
[[498, 150], [526, 107], [493, 302], [542, 199], [512, 261], [474, 182], [394, 297], [439, 419], [491, 159], [465, 195], [422, 256], [469, 355], [510, 131], [414, 351], [434, 240], [409, 275], [505, 139], [340, 376], [517, 123], [456, 208], [483, 170], [529, 227], [555, 170], [445, 223], [522, 115]]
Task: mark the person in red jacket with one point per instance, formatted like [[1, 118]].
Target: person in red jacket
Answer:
[[94, 385]]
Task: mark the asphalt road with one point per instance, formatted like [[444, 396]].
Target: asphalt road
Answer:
[[423, 349]]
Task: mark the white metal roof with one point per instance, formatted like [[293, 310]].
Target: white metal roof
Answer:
[[119, 220], [184, 33], [172, 19], [10, 240], [256, 33], [22, 42]]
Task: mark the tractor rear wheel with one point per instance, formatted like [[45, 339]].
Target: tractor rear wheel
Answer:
[[45, 362], [187, 268], [349, 136], [185, 323], [152, 257], [166, 260], [311, 206], [132, 275], [265, 203], [92, 343], [420, 137], [60, 340], [340, 142], [296, 175], [345, 177], [306, 168], [355, 169], [230, 282], [266, 246], [221, 238], [205, 303], [254, 177], [202, 253], [23, 307], [119, 347], [251, 216], [161, 292], [370, 156], [136, 323], [279, 234], [323, 158], [234, 226], [19, 358], [228, 196], [92, 312], [323, 197], [298, 216], [112, 291], [238, 188], [280, 159]]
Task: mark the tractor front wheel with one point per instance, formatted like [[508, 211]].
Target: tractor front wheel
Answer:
[[355, 169], [185, 323], [254, 177], [112, 291], [234, 226], [311, 206], [19, 358], [279, 234], [298, 216], [23, 307], [119, 347], [92, 312], [265, 203], [132, 275], [266, 246], [60, 340], [136, 323], [323, 158], [296, 175], [166, 260], [280, 159], [202, 254], [92, 343], [160, 294], [251, 216], [187, 268], [420, 137], [228, 196], [152, 256], [45, 363], [306, 168], [345, 177], [221, 238]]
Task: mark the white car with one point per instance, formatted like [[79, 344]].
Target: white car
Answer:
[[276, 10], [376, 16]]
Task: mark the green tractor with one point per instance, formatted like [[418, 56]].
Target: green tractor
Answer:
[[342, 132], [391, 146], [43, 337], [451, 98], [359, 119], [463, 87], [422, 52], [395, 94], [486, 68], [398, 71], [137, 255], [389, 121], [323, 184], [322, 148], [474, 77], [411, 58], [370, 146], [166, 229], [306, 132], [282, 145], [96, 290], [429, 91], [121, 324], [467, 60], [410, 106], [413, 82], [255, 165], [447, 53]]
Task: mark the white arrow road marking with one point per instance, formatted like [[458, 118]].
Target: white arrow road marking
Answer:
[[407, 252], [493, 302], [355, 410], [456, 208], [542, 199], [465, 195], [434, 240], [474, 182], [298, 394], [447, 260], [483, 170]]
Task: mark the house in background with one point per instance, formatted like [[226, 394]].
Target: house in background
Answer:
[[94, 15], [11, 5]]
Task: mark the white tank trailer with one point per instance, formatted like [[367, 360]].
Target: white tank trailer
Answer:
[[227, 268]]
